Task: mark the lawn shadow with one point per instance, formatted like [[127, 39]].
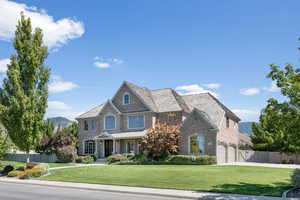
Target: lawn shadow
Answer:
[[276, 189]]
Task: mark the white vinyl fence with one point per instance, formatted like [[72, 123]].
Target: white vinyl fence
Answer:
[[267, 157]]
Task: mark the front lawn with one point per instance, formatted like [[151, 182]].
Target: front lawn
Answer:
[[18, 164], [225, 179]]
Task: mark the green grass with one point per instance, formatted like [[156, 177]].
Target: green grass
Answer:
[[224, 179], [17, 164]]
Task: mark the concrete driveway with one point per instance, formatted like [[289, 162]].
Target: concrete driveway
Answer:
[[254, 164]]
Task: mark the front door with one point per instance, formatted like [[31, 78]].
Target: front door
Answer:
[[108, 146]]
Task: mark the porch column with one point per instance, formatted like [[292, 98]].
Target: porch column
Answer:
[[114, 146]]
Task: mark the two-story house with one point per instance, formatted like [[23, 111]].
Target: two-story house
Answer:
[[118, 125]]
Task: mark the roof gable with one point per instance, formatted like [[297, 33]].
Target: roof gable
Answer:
[[94, 112]]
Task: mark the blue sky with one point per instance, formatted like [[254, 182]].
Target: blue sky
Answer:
[[220, 46]]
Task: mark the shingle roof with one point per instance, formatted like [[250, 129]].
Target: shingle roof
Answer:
[[123, 135], [144, 94], [91, 113], [168, 100], [165, 100], [209, 104]]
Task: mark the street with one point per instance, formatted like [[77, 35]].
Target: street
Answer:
[[13, 191]]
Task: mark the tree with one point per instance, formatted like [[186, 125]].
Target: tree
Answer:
[[278, 128], [24, 94], [161, 141]]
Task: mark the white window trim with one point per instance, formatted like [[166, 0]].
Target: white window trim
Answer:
[[87, 121], [127, 118], [104, 124], [83, 152], [126, 93], [94, 130], [189, 143]]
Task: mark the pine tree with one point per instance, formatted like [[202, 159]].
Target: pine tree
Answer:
[[24, 93]]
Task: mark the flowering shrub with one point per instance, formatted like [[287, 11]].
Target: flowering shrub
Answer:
[[31, 173], [161, 141]]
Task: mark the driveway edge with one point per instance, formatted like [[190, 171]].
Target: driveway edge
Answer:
[[138, 190]]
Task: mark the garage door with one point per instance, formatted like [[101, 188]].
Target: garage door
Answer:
[[231, 154], [221, 154]]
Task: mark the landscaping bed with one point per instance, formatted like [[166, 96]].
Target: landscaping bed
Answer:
[[223, 179]]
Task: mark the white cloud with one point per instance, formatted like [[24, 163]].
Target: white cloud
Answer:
[[57, 105], [101, 62], [247, 115], [3, 65], [212, 85], [193, 89], [58, 108], [272, 88], [250, 91], [58, 85], [56, 32]]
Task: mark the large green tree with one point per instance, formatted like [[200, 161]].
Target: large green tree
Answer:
[[279, 125], [24, 93]]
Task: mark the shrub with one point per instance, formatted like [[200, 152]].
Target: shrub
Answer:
[[7, 169], [129, 156], [115, 158], [88, 160], [31, 173], [295, 177], [141, 159], [94, 157], [31, 165], [191, 160], [43, 166], [161, 141], [20, 168], [66, 154], [79, 159], [13, 173]]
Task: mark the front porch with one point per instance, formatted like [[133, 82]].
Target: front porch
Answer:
[[107, 144]]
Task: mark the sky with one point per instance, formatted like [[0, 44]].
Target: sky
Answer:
[[192, 46]]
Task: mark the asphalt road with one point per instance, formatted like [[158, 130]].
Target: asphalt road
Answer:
[[12, 191]]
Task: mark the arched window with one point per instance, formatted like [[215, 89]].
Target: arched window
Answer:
[[126, 99], [197, 144], [89, 147], [110, 122]]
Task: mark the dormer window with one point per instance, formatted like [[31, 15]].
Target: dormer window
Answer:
[[126, 99]]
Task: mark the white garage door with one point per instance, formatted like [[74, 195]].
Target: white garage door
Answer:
[[231, 154], [221, 154]]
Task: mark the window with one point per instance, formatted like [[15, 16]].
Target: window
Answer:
[[197, 144], [130, 147], [136, 121], [110, 122], [126, 99], [89, 147], [227, 122], [94, 125], [85, 125]]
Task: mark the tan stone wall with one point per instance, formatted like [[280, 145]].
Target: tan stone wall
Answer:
[[194, 125], [170, 117], [135, 103], [228, 135]]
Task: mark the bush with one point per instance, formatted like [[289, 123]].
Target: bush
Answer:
[[115, 158], [7, 169], [20, 168], [13, 173], [95, 158], [31, 165], [129, 156], [32, 173], [191, 160], [88, 160], [66, 154], [79, 159], [296, 178], [43, 166]]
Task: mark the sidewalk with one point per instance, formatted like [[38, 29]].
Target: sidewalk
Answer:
[[77, 165], [138, 190], [255, 164]]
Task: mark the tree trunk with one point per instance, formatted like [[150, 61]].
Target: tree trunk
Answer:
[[27, 157]]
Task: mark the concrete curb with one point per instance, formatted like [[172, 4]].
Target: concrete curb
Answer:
[[138, 190]]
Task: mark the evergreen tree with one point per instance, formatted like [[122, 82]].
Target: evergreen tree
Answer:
[[24, 94]]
